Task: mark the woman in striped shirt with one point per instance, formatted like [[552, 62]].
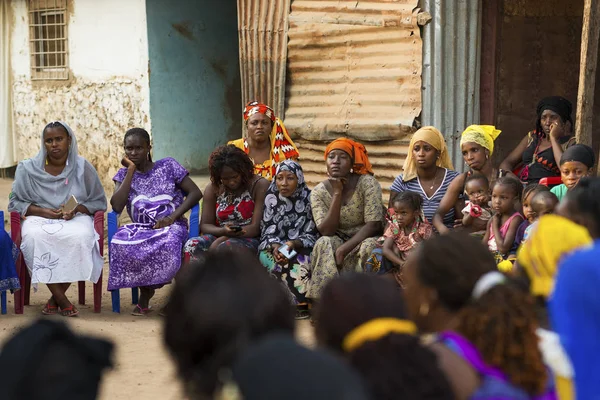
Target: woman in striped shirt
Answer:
[[427, 171]]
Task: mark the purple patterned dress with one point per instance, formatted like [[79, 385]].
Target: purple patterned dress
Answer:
[[139, 254]]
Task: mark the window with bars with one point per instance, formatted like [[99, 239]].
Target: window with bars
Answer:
[[48, 39]]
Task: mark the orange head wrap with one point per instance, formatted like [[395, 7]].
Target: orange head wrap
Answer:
[[360, 161]]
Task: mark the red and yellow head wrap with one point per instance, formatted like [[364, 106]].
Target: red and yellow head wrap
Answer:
[[255, 107], [358, 152]]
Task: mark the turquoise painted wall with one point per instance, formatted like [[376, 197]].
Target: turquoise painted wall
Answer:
[[195, 95]]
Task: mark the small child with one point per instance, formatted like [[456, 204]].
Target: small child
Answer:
[[575, 163], [528, 193], [502, 228], [406, 227], [477, 189], [543, 203]]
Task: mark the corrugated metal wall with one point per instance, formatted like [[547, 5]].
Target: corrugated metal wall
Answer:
[[451, 69], [263, 28], [353, 69]]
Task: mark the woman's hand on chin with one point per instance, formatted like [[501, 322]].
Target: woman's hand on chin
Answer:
[[337, 184]]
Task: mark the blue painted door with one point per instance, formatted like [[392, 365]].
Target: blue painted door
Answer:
[[195, 94]]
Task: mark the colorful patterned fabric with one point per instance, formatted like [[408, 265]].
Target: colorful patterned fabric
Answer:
[[234, 210], [294, 276], [360, 161], [195, 247], [140, 255], [493, 246]]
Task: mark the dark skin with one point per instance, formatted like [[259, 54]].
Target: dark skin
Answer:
[[136, 159], [231, 182], [286, 182], [406, 218], [478, 159], [571, 172], [554, 128], [259, 137], [57, 142], [478, 192], [341, 186], [503, 203], [430, 316]]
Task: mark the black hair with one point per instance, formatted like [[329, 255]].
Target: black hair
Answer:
[[411, 199], [234, 158], [515, 184], [221, 304], [142, 134], [477, 176], [542, 199], [584, 199], [55, 124], [534, 188], [394, 366]]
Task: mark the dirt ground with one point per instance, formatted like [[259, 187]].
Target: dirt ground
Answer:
[[143, 369]]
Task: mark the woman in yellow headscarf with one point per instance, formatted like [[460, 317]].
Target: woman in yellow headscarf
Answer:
[[477, 145], [537, 262], [428, 171]]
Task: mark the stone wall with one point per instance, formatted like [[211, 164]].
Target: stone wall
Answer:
[[98, 112]]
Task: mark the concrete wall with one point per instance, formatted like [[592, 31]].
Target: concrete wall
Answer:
[[108, 90]]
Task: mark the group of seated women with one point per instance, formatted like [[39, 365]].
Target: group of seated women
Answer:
[[258, 199]]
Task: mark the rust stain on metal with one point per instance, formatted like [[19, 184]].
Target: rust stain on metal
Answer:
[[353, 69], [184, 29]]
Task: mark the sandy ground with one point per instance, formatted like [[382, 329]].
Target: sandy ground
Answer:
[[143, 369]]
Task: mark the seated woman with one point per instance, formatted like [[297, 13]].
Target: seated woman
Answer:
[[539, 151], [268, 142], [233, 204], [288, 221], [477, 145], [60, 246], [428, 171], [8, 259], [147, 252], [348, 211]]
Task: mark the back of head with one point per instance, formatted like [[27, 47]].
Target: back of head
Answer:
[[532, 189], [232, 157], [218, 307], [583, 203], [301, 373], [544, 203], [47, 361], [393, 363]]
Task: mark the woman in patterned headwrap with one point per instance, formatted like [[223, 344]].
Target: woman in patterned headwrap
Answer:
[[268, 142], [540, 150], [477, 145], [348, 211]]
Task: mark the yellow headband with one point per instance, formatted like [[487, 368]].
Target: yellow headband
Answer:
[[375, 329]]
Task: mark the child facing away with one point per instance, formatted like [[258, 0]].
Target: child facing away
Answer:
[[477, 189], [528, 193], [543, 203], [575, 163], [502, 228], [405, 229]]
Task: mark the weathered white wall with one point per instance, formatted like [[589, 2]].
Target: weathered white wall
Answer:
[[108, 90]]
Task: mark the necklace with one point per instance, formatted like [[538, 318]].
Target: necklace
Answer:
[[434, 179]]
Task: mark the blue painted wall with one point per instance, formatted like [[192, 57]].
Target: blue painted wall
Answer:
[[195, 95]]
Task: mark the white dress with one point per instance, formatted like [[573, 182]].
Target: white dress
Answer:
[[59, 251]]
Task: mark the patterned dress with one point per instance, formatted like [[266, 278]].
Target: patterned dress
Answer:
[[139, 254], [8, 258], [364, 206]]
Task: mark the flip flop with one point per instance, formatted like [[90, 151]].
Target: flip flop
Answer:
[[73, 311], [139, 311], [48, 309]]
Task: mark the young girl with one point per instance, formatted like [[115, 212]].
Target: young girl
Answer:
[[576, 162], [502, 228], [528, 194], [477, 189], [405, 229]]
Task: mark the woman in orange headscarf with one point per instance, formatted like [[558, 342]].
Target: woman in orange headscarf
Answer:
[[268, 142], [348, 211]]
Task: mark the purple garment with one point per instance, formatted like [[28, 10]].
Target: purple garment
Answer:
[[139, 254], [521, 233]]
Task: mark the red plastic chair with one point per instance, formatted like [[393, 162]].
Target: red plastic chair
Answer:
[[22, 296], [551, 181]]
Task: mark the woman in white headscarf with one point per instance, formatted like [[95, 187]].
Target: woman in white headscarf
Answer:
[[59, 244]]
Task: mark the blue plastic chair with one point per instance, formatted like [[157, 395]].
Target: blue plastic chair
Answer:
[[113, 225], [3, 293]]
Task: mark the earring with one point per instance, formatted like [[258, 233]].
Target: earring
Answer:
[[424, 309], [351, 170], [46, 160]]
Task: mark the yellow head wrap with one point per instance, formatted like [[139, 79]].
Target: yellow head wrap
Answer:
[[432, 136], [553, 238], [374, 330], [483, 135]]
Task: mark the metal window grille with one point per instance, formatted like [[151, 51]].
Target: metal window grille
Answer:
[[48, 39]]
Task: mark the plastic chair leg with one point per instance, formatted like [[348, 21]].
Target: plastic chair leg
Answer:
[[116, 300], [3, 302], [98, 295], [20, 294], [27, 285], [81, 292], [135, 295]]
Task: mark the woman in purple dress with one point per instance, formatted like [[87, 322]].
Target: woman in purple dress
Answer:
[[147, 253]]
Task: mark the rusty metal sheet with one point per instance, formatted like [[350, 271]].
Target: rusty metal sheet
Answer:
[[262, 26], [354, 69]]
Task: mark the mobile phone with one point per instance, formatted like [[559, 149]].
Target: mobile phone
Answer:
[[235, 228], [287, 252], [70, 205]]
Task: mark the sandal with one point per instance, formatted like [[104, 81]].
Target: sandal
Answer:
[[139, 311], [50, 310], [70, 311], [302, 314]]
